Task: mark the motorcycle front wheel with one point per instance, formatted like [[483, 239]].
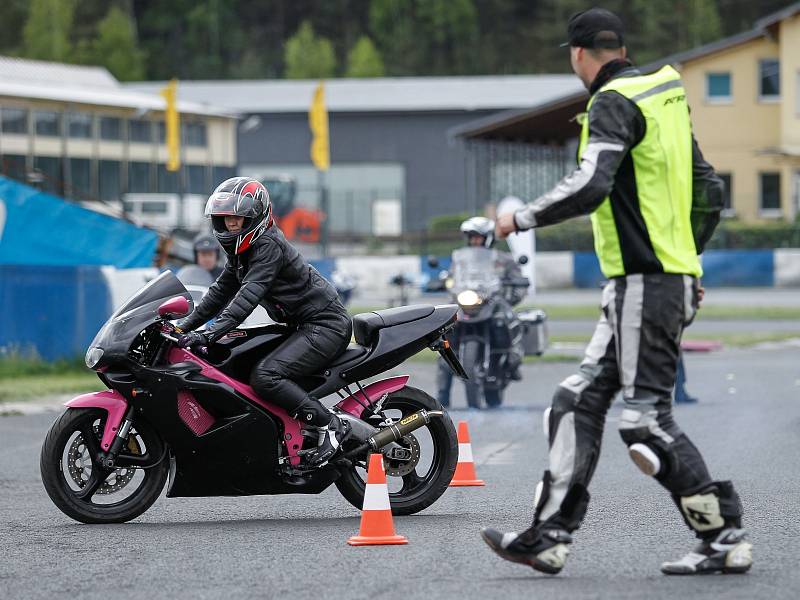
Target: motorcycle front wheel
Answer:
[[88, 492], [416, 483]]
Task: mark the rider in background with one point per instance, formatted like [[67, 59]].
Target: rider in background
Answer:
[[479, 233], [263, 268], [206, 254]]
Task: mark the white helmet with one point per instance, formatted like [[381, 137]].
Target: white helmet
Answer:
[[479, 226]]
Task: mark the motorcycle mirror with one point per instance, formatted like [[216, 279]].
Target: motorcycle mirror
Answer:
[[523, 260], [174, 307], [433, 262]]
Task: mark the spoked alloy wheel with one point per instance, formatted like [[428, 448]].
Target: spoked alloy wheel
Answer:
[[420, 467], [88, 492]]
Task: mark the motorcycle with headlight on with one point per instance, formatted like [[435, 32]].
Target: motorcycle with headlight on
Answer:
[[490, 338]]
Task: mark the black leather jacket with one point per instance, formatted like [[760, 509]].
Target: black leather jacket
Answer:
[[616, 121], [271, 273]]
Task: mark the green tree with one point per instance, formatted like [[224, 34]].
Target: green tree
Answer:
[[451, 30], [307, 56], [115, 47], [703, 23], [364, 60], [46, 35], [392, 24]]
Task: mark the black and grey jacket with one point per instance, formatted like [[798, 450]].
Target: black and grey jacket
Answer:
[[271, 273], [616, 125]]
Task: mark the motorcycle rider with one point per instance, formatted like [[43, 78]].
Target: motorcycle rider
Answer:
[[206, 254], [654, 202], [263, 268], [479, 233]]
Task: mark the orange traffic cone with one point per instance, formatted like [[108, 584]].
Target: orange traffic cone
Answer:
[[465, 469], [377, 528]]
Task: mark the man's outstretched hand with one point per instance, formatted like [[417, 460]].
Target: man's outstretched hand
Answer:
[[504, 225]]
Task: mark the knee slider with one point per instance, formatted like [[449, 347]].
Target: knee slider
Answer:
[[647, 442]]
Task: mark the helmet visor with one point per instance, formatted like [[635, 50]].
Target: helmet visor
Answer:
[[222, 204]]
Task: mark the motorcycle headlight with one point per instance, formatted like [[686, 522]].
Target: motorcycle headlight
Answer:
[[468, 298], [93, 356]]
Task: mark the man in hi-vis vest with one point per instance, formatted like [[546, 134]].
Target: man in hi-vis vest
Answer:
[[654, 203]]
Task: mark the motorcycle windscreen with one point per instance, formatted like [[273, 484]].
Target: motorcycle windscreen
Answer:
[[477, 269], [163, 287]]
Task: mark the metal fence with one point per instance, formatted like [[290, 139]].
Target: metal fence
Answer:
[[351, 211], [499, 169]]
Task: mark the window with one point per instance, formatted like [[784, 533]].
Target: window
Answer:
[[770, 194], [196, 179], [161, 129], [220, 174], [727, 193], [153, 207], [47, 123], [140, 131], [109, 180], [194, 133], [718, 87], [797, 96], [14, 120], [49, 168], [139, 177], [110, 128], [167, 180], [13, 165], [769, 71], [79, 125], [80, 173]]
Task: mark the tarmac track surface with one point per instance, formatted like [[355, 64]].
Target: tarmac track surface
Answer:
[[747, 425]]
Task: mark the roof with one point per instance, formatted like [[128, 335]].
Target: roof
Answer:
[[34, 79], [777, 16], [497, 123], [383, 94]]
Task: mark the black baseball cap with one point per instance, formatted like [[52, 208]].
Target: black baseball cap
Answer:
[[595, 28]]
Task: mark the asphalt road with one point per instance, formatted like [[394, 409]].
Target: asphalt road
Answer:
[[747, 425]]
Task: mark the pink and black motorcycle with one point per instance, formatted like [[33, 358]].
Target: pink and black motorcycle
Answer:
[[173, 413]]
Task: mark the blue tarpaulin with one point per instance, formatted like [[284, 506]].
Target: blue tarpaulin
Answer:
[[53, 311], [41, 229]]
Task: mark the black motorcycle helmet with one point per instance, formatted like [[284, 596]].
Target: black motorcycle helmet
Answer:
[[204, 242], [239, 197]]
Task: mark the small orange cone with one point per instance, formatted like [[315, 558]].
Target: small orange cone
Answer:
[[465, 469], [377, 528]]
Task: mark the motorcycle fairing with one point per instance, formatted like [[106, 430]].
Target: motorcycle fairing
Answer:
[[109, 400]]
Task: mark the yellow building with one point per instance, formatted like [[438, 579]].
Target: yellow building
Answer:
[[76, 132], [744, 94]]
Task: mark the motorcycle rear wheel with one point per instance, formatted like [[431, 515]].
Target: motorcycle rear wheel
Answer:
[[69, 449], [417, 492]]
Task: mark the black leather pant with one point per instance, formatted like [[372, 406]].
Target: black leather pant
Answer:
[[634, 349], [313, 346]]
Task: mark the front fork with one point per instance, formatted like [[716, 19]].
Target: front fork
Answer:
[[108, 459]]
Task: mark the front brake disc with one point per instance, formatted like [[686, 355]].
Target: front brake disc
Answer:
[[79, 466]]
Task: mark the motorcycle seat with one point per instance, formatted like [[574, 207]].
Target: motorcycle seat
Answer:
[[352, 352], [366, 325]]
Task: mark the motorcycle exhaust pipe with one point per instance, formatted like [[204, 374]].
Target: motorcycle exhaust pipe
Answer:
[[402, 428]]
